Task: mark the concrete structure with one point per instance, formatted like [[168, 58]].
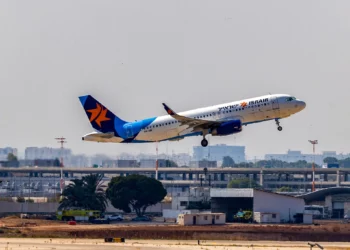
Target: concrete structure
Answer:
[[203, 164], [119, 163], [269, 178], [194, 196], [307, 218], [261, 217], [335, 200], [202, 219], [231, 200], [46, 208], [217, 153]]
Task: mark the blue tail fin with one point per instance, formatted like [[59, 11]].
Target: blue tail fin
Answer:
[[99, 116]]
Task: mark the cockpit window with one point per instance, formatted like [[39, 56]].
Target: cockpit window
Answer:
[[289, 99]]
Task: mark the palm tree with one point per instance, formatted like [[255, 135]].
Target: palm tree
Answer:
[[95, 197], [86, 193], [73, 195]]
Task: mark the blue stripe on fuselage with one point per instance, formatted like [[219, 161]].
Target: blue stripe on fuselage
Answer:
[[135, 128]]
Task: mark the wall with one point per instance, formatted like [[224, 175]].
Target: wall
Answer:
[[15, 207], [275, 203], [201, 219], [266, 217]]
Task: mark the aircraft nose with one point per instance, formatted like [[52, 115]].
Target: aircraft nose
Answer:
[[302, 105]]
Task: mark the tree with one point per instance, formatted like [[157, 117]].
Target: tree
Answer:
[[243, 183], [86, 193], [227, 161], [135, 192], [284, 189], [11, 157], [330, 160], [170, 164]]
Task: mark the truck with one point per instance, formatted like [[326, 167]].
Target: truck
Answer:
[[78, 215], [243, 216]]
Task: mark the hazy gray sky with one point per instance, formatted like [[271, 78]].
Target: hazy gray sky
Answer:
[[134, 55]]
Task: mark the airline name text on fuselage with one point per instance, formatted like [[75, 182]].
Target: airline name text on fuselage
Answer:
[[246, 104]]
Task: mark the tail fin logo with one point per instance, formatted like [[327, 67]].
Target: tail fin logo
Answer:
[[98, 114]]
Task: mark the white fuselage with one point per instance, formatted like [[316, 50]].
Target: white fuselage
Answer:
[[248, 111]]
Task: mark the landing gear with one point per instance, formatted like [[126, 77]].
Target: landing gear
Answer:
[[204, 142], [279, 128]]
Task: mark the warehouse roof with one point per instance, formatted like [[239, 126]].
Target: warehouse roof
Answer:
[[240, 193], [322, 193]]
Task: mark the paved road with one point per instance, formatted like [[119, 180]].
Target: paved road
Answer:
[[82, 244]]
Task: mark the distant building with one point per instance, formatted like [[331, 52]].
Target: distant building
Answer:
[[203, 164], [9, 164], [32, 153], [218, 152], [294, 156], [5, 151], [119, 163], [147, 163]]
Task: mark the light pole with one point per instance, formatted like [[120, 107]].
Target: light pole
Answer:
[[61, 140], [313, 142]]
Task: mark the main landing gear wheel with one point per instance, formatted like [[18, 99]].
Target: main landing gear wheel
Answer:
[[204, 142], [279, 128]]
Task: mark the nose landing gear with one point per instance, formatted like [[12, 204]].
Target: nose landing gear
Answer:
[[204, 142], [279, 128]]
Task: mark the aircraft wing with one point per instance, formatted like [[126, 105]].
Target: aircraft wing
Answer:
[[197, 124]]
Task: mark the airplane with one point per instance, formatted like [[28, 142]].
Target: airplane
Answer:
[[219, 120]]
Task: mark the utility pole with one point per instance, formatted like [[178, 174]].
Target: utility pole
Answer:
[[61, 140], [313, 142]]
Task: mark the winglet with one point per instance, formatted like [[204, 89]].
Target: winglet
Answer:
[[168, 110]]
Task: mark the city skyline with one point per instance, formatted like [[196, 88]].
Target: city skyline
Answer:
[[132, 56], [192, 153]]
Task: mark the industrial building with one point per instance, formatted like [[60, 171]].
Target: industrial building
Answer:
[[192, 198], [332, 202], [231, 200]]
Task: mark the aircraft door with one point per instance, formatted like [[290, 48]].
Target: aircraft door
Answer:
[[275, 106], [129, 132]]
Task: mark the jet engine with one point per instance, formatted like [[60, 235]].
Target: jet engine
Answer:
[[227, 128]]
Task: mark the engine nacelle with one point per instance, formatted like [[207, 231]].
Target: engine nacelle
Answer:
[[228, 128]]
